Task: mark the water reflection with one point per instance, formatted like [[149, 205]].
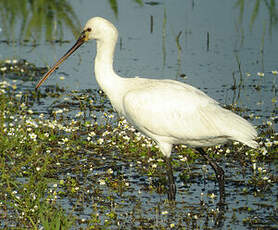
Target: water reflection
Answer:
[[114, 5], [35, 18], [270, 5]]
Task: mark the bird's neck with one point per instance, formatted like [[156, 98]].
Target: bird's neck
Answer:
[[104, 56], [104, 71], [106, 78]]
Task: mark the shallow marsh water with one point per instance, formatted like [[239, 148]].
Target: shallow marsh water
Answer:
[[67, 159]]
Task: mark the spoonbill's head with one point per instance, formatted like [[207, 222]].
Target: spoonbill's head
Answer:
[[100, 29], [96, 28]]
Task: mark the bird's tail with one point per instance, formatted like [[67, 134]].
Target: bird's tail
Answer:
[[243, 131], [237, 128]]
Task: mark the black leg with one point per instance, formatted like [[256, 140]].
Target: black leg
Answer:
[[220, 175], [171, 180]]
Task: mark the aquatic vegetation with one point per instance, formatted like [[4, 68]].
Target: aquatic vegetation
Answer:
[[20, 70], [256, 6], [274, 72], [70, 161], [35, 16]]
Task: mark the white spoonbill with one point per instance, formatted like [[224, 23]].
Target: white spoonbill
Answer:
[[168, 111]]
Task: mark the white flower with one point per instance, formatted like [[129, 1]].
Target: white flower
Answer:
[[268, 144], [100, 141], [150, 160], [110, 171], [92, 134], [264, 151], [265, 178], [79, 114], [105, 133], [33, 136], [183, 159], [2, 91], [19, 95], [58, 111], [212, 196], [260, 74], [101, 182], [65, 139], [126, 138]]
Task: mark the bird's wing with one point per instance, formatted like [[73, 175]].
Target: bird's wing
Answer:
[[178, 111], [169, 109]]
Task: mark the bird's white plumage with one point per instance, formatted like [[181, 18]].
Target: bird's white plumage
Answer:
[[170, 112], [180, 114]]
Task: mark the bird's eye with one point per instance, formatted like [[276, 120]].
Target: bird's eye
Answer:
[[89, 29]]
